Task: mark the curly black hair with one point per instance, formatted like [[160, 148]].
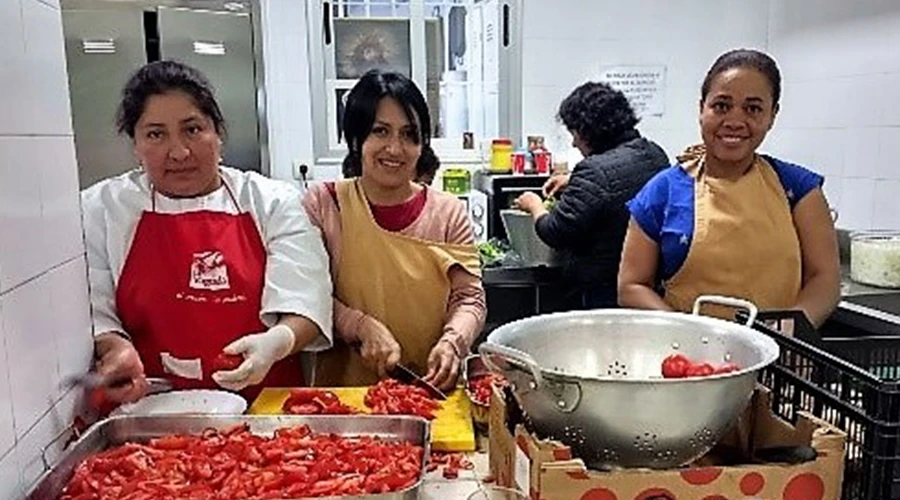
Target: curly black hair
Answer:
[[359, 116], [745, 58], [598, 113], [161, 77]]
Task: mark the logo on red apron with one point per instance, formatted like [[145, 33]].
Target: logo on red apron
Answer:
[[209, 272]]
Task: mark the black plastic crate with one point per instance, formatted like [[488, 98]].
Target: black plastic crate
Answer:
[[846, 374]]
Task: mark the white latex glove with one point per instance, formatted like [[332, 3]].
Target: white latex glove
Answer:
[[260, 352]]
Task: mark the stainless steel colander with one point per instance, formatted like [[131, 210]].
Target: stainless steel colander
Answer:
[[593, 380]]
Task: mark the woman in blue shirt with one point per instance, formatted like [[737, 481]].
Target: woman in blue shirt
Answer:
[[728, 221]]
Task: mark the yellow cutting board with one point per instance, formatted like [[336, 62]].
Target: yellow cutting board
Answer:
[[452, 430]]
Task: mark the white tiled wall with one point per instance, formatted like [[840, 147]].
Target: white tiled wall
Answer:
[[567, 42], [841, 110], [44, 316]]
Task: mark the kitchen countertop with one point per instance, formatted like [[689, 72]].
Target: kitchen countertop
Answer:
[[546, 285], [513, 274], [506, 275], [435, 487], [850, 288]]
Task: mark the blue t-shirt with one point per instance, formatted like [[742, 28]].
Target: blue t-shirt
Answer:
[[664, 208]]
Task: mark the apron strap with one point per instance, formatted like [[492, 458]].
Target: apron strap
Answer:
[[224, 183], [230, 193]]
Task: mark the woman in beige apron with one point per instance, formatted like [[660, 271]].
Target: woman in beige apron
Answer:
[[405, 268], [729, 221]]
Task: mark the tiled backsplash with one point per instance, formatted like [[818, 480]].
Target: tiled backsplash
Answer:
[[44, 316], [841, 111]]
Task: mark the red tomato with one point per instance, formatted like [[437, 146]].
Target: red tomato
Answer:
[[700, 370], [302, 409], [452, 463], [97, 398], [225, 362], [238, 465], [481, 387], [727, 368], [393, 398], [312, 401], [304, 394], [676, 366]]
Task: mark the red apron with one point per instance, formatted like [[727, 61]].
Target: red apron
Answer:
[[192, 283]]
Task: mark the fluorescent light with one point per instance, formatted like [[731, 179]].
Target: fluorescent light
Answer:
[[209, 48], [106, 46]]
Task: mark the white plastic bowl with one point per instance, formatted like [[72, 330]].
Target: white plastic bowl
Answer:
[[184, 402]]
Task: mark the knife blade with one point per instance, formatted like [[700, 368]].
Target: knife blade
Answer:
[[407, 376], [92, 380]]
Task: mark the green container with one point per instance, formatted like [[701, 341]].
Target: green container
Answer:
[[457, 181]]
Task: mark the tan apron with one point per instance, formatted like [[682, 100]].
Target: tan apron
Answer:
[[744, 244], [401, 281]]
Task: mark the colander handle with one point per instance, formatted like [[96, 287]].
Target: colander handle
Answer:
[[514, 357], [720, 300]]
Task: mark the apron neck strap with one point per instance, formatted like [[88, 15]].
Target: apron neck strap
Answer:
[[224, 183]]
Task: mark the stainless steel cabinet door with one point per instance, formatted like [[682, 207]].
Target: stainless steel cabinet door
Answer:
[[103, 48], [221, 45]]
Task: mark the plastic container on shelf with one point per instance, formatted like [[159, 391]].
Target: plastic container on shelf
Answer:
[[875, 258], [501, 155]]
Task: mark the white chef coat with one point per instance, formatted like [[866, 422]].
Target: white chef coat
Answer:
[[297, 279]]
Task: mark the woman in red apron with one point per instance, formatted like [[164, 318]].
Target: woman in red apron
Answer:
[[219, 261], [729, 221]]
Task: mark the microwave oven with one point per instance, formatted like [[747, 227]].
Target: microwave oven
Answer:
[[476, 204], [501, 190]]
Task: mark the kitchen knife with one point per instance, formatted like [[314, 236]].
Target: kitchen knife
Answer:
[[92, 380], [407, 376]]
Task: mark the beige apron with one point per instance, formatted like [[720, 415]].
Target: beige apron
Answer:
[[744, 244], [401, 281]]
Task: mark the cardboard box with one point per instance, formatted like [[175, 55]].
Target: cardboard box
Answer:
[[548, 471]]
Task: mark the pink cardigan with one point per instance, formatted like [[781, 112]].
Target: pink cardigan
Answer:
[[443, 219]]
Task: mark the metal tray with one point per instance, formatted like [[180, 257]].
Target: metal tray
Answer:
[[118, 430]]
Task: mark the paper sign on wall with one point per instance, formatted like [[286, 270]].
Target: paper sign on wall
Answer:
[[644, 86]]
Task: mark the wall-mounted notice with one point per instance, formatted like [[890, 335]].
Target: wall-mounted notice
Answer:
[[644, 86]]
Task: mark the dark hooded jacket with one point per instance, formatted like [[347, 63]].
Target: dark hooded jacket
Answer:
[[588, 224]]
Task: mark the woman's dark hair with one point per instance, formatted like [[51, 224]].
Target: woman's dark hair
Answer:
[[598, 113], [745, 58], [161, 77], [359, 116]]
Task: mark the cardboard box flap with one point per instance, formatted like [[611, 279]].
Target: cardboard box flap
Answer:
[[549, 472]]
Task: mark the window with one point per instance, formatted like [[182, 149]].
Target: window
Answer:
[[465, 56]]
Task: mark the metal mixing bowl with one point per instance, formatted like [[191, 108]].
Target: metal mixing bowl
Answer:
[[524, 240], [593, 380]]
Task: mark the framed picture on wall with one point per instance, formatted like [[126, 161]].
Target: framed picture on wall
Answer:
[[364, 44]]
